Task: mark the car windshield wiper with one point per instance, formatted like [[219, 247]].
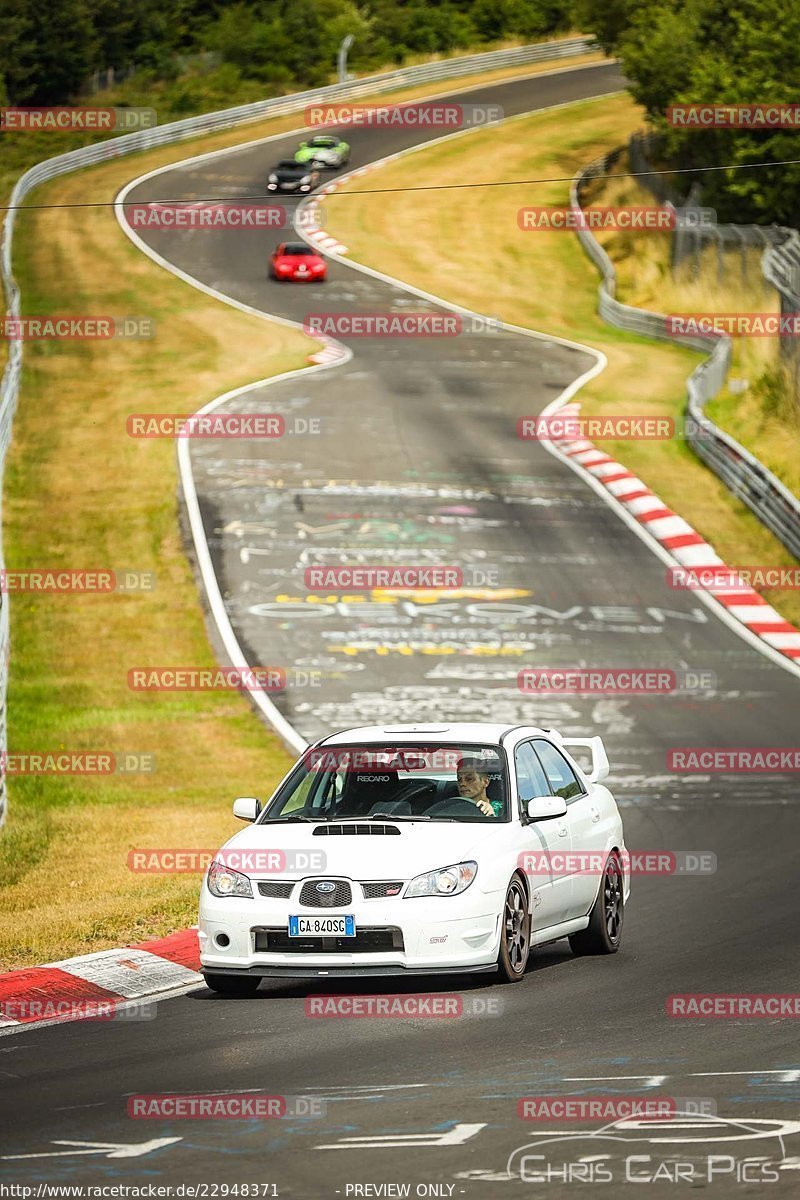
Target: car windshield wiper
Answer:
[[294, 817], [397, 817]]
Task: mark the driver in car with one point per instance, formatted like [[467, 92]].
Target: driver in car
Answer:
[[473, 779]]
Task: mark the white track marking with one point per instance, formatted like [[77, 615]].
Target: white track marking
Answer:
[[105, 1149], [452, 1137], [786, 1076]]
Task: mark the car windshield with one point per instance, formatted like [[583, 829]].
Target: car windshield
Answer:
[[297, 248], [322, 141], [288, 164], [422, 782]]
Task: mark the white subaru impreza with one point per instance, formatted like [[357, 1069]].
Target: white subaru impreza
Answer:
[[418, 849]]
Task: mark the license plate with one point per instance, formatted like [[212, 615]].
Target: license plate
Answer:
[[344, 926]]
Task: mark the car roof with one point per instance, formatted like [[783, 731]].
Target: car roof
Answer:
[[444, 732]]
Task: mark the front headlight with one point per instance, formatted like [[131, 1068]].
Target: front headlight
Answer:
[[306, 179], [448, 881], [224, 881], [272, 179]]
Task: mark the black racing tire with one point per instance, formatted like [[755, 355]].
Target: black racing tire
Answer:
[[515, 933], [232, 985], [603, 935]]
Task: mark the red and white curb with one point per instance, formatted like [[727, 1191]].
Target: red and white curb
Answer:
[[76, 988], [310, 226], [676, 535], [311, 223], [331, 352]]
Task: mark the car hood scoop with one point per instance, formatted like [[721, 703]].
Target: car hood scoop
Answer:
[[356, 829]]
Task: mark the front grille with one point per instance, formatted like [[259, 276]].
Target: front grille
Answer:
[[275, 890], [355, 830], [341, 894], [379, 889], [366, 941]]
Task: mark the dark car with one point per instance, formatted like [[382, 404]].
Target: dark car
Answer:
[[291, 176]]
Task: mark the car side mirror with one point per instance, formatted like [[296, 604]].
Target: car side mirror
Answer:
[[544, 808], [303, 145], [246, 808]]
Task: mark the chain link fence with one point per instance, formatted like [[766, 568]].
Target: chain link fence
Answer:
[[737, 247], [742, 473], [191, 127]]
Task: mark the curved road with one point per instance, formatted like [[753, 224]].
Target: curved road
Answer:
[[418, 459]]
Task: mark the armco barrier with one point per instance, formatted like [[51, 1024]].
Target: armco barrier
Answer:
[[178, 131], [748, 479]]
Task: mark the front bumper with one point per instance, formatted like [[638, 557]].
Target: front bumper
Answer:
[[393, 936]]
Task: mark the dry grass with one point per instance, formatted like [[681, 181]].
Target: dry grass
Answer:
[[81, 493], [766, 417], [542, 280]]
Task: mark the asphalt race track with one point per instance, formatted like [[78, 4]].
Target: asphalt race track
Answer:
[[417, 459]]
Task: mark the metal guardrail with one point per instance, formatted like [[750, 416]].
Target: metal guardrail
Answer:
[[780, 266], [748, 479], [178, 131]]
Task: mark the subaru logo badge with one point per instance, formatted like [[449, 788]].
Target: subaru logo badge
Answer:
[[326, 887]]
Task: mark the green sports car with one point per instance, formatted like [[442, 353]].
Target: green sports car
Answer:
[[323, 150]]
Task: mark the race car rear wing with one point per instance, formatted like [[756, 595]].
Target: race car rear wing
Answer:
[[600, 768]]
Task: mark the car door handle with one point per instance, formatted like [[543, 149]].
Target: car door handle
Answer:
[[595, 813], [562, 831]]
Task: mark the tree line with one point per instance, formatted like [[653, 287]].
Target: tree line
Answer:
[[48, 52], [680, 52]]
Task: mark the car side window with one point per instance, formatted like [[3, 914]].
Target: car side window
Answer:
[[563, 779], [531, 779]]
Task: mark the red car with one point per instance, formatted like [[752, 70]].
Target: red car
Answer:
[[296, 260]]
